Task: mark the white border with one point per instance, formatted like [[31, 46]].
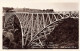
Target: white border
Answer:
[[13, 3]]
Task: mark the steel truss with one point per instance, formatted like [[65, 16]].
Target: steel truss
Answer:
[[36, 26]]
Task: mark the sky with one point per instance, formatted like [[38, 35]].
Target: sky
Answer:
[[57, 5]]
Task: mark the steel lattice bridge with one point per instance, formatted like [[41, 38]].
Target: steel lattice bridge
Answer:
[[36, 26]]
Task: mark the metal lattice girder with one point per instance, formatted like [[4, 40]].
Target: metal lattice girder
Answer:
[[36, 26], [47, 30]]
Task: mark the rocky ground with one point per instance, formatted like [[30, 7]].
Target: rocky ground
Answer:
[[65, 35]]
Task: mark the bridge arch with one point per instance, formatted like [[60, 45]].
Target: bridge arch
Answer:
[[17, 18]]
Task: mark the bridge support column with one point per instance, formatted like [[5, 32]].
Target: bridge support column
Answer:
[[37, 24], [32, 26], [49, 18], [22, 36], [44, 24], [43, 21]]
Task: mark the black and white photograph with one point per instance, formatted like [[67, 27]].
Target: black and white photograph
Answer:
[[41, 26]]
